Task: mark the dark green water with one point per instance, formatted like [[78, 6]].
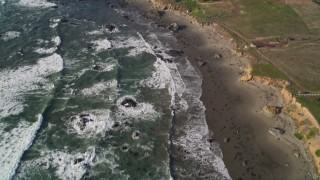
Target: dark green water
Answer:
[[84, 96]]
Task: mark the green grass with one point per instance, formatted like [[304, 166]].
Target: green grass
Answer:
[[317, 152], [312, 103], [267, 18], [298, 136], [267, 70], [312, 133]]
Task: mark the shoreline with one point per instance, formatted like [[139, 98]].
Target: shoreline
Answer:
[[234, 109]]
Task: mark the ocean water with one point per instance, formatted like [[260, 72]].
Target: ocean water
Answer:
[[88, 90]]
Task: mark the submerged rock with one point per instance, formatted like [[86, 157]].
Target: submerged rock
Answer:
[[129, 103], [136, 134], [78, 160], [116, 125], [124, 148], [110, 27]]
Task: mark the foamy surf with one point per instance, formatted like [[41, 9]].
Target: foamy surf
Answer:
[[10, 35], [101, 45], [186, 89], [129, 107], [56, 40], [137, 45], [90, 123], [14, 83], [36, 3], [66, 165], [96, 89], [14, 143]]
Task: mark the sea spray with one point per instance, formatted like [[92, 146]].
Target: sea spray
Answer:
[[14, 144]]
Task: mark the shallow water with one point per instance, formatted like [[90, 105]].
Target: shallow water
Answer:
[[82, 100]]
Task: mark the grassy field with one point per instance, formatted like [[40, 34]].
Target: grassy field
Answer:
[[249, 21], [266, 18]]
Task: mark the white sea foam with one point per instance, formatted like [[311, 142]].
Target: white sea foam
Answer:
[[95, 32], [14, 83], [137, 45], [90, 123], [160, 78], [102, 31], [141, 110], [101, 45], [66, 165], [195, 131], [46, 51], [2, 2], [56, 40], [36, 3], [10, 35], [54, 23], [14, 143], [107, 66], [96, 89]]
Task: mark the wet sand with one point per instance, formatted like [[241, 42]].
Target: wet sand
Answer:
[[234, 108]]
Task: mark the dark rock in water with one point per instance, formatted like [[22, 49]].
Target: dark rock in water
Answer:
[[129, 103], [173, 27], [73, 118], [134, 153], [78, 160], [116, 124], [135, 135], [124, 148], [126, 17], [122, 3], [110, 27], [83, 122], [111, 5], [159, 56], [168, 60], [96, 67], [84, 115], [90, 47], [128, 124], [174, 53], [54, 7], [64, 20], [210, 140]]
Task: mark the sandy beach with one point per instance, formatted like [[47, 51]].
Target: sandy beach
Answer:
[[234, 108]]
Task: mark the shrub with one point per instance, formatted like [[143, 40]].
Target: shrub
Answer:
[[298, 136], [318, 152]]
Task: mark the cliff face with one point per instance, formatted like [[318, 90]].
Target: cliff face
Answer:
[[307, 126]]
